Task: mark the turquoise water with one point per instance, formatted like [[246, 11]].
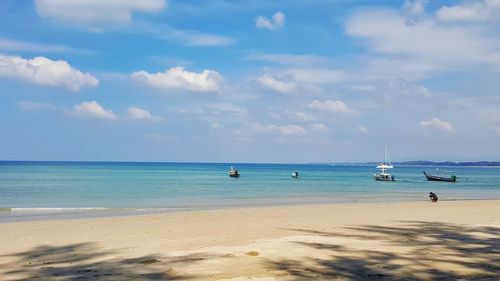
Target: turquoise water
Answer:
[[58, 186]]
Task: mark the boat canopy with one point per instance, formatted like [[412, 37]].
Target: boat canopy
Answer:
[[384, 166]]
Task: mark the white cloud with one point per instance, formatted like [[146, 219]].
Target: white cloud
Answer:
[[178, 78], [362, 129], [22, 46], [95, 14], [304, 117], [275, 23], [216, 110], [34, 106], [91, 109], [278, 85], [43, 71], [332, 106], [474, 11], [272, 129], [196, 38], [290, 130], [136, 113], [100, 15], [421, 47], [294, 79], [319, 128], [437, 124]]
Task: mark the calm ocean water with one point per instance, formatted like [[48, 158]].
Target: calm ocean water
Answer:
[[30, 189]]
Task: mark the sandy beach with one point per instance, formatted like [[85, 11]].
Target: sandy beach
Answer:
[[379, 241]]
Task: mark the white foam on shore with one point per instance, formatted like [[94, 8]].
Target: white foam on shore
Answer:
[[61, 209]]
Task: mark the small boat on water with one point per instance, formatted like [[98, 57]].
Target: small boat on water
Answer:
[[383, 175], [234, 173], [430, 177], [295, 175]]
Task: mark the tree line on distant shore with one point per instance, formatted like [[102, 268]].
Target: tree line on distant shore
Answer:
[[449, 163]]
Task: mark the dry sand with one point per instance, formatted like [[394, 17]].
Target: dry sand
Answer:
[[382, 241]]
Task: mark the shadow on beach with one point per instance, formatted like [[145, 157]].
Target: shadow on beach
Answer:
[[86, 261], [429, 251], [425, 251]]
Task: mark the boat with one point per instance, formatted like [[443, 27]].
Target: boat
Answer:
[[295, 175], [234, 173], [384, 166], [430, 177]]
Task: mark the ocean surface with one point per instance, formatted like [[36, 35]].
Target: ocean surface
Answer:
[[46, 190]]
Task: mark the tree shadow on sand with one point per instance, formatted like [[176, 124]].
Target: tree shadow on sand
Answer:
[[426, 251], [86, 261]]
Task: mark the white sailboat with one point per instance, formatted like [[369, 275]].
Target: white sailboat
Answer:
[[383, 175]]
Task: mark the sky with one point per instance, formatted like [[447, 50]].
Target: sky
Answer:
[[249, 81]]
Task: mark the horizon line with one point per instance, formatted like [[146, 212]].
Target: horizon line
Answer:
[[228, 162]]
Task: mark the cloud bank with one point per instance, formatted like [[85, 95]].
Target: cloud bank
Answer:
[[95, 14], [416, 46], [477, 11]]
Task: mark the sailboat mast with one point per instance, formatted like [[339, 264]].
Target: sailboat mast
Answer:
[[385, 154]]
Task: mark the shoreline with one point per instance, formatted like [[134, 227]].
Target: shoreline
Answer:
[[14, 215], [447, 240]]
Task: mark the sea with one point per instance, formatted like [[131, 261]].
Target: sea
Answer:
[[59, 190]]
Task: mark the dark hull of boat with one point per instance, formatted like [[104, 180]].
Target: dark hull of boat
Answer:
[[237, 175], [385, 179], [378, 177], [438, 178]]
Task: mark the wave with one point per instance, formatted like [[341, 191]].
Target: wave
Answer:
[[56, 209], [85, 209]]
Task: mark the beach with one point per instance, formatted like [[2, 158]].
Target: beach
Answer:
[[447, 240]]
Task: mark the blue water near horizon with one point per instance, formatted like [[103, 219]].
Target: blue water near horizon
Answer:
[[41, 187]]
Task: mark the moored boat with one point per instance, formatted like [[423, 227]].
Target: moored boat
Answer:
[[295, 175], [234, 173], [383, 175], [430, 177]]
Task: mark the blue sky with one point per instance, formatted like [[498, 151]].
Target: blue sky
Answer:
[[249, 81]]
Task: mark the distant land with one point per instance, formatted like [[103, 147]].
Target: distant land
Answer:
[[450, 163], [432, 163]]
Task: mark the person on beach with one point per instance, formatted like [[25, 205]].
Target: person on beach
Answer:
[[433, 197]]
